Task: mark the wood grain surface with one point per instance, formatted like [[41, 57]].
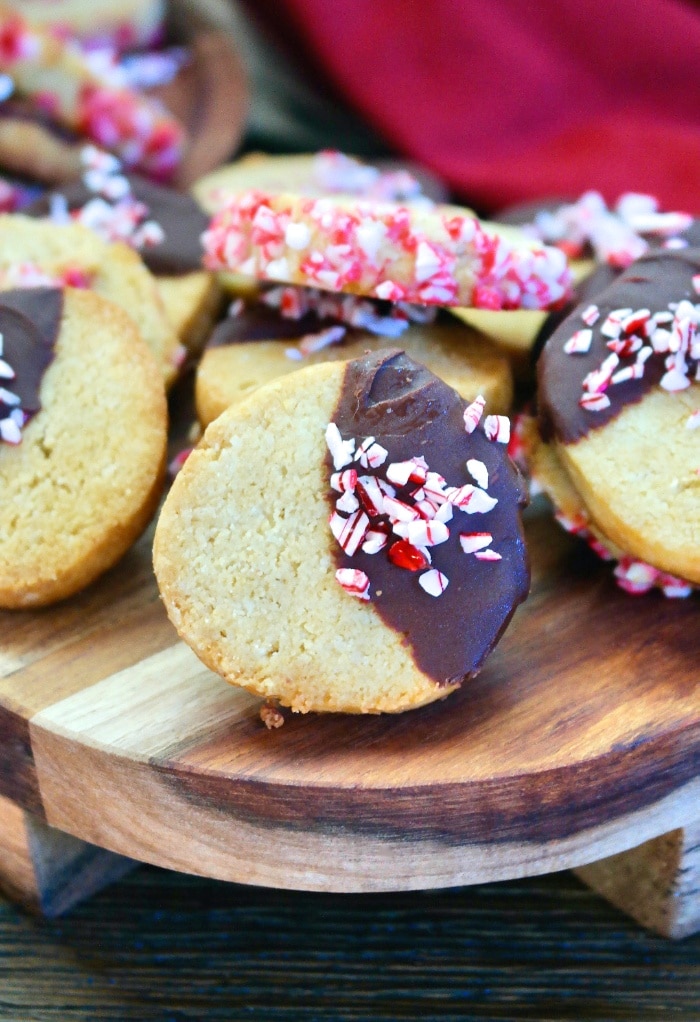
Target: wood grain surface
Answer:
[[581, 738], [164, 947]]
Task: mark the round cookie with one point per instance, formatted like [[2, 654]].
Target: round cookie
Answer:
[[72, 254], [438, 256], [234, 364], [82, 478], [324, 173], [58, 73], [260, 550], [619, 399]]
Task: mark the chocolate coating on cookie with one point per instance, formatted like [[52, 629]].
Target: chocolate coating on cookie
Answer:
[[182, 219], [260, 323], [411, 413], [29, 323], [652, 282]]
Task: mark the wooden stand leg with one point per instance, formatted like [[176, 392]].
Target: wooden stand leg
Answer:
[[658, 883], [48, 871]]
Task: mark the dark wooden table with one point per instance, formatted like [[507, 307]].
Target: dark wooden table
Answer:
[[160, 945]]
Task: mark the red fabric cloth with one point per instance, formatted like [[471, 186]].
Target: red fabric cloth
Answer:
[[511, 101]]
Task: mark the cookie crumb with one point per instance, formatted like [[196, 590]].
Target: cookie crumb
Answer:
[[271, 716]]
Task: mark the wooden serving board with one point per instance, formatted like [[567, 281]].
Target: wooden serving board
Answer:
[[580, 739]]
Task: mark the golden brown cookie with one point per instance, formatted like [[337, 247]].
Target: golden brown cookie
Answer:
[[81, 476], [346, 539], [228, 372]]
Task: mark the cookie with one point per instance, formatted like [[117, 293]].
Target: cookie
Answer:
[[619, 400], [81, 472], [33, 251], [237, 359], [325, 173], [126, 24], [350, 513], [439, 256], [61, 80]]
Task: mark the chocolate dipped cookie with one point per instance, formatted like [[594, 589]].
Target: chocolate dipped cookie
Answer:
[[346, 539], [619, 405], [82, 441]]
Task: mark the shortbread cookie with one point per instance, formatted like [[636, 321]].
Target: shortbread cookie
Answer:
[[384, 250], [237, 360], [164, 226], [81, 472], [124, 24], [325, 173], [347, 539], [619, 399], [33, 251], [59, 75]]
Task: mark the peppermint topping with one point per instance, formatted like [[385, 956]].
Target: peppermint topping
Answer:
[[383, 250], [634, 576], [405, 510], [114, 213], [636, 336], [353, 311], [617, 236], [335, 172]]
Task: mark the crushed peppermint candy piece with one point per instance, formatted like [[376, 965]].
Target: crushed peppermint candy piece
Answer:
[[497, 427], [433, 257], [473, 413], [473, 541], [353, 582], [433, 582], [479, 473], [407, 509], [579, 343]]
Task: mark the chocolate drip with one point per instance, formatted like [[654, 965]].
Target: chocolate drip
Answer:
[[182, 219], [30, 320], [411, 412], [650, 283]]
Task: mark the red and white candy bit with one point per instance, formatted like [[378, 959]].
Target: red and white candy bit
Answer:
[[369, 515], [579, 343], [433, 582], [370, 454], [627, 331], [335, 172], [617, 236], [310, 343], [590, 315], [350, 532], [354, 582], [497, 427], [693, 420], [479, 473], [383, 250], [487, 555], [342, 451], [473, 541]]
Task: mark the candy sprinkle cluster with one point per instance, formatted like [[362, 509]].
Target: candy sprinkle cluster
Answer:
[[633, 336], [383, 250], [114, 213], [634, 576], [617, 236], [404, 507]]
